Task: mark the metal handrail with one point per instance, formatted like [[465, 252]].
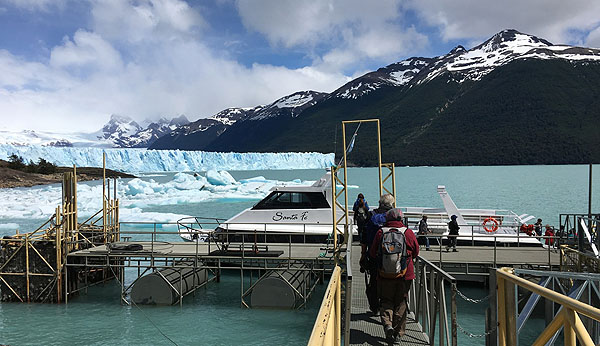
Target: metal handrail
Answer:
[[567, 318], [327, 327], [428, 297]]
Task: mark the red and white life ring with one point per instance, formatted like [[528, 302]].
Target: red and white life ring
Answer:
[[493, 228]]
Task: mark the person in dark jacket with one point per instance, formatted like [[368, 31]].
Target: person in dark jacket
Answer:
[[393, 293], [423, 231], [368, 263], [361, 214], [452, 234], [359, 198], [538, 227]]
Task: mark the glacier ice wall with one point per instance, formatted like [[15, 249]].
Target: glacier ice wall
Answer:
[[143, 160]]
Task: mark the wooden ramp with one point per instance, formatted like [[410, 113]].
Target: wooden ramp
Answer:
[[365, 328]]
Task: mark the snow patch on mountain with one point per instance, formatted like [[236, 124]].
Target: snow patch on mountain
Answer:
[[394, 75], [290, 105]]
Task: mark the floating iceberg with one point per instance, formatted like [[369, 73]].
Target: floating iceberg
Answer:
[[136, 196], [143, 160]]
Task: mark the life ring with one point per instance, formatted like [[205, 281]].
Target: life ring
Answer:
[[493, 228]]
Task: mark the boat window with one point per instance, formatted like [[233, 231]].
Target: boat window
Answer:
[[293, 200]]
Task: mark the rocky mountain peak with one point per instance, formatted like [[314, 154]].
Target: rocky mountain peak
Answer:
[[457, 49], [510, 38], [179, 121], [119, 126]]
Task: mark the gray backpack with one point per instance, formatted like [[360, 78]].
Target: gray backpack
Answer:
[[393, 256]]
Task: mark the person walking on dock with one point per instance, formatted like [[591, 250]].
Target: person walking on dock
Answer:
[[361, 213], [423, 231], [368, 263], [452, 234], [395, 246]]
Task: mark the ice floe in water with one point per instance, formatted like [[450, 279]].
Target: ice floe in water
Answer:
[[9, 226], [136, 195]]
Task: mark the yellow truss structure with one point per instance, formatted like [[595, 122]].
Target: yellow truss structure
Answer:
[[387, 184]]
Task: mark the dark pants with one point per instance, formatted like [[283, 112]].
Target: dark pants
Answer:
[[423, 240], [371, 291], [452, 239], [393, 294]]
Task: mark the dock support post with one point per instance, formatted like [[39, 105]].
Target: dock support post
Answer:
[[453, 315], [511, 312], [492, 338], [501, 311]]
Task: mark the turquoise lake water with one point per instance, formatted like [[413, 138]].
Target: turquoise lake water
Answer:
[[213, 315]]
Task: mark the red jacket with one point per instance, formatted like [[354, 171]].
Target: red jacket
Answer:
[[412, 246]]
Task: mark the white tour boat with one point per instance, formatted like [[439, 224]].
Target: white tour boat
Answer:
[[304, 214]]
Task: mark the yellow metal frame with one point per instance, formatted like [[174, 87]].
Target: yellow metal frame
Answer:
[[328, 325], [63, 229], [389, 179], [567, 317]]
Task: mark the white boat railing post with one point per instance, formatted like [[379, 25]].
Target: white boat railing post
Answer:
[[494, 251]]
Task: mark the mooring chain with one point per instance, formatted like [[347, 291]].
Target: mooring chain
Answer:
[[471, 300], [471, 335]]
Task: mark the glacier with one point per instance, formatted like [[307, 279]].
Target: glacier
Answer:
[[143, 160]]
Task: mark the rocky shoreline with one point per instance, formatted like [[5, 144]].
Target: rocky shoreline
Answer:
[[10, 178]]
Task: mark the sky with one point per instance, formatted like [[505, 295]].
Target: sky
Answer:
[[67, 65]]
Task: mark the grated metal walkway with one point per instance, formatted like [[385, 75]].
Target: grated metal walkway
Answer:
[[366, 329]]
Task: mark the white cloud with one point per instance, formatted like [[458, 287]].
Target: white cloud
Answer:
[[356, 30], [37, 5], [593, 39], [145, 69], [144, 20], [291, 22], [86, 50], [553, 20]]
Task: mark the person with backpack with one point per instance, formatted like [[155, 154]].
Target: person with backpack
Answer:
[[395, 246], [368, 264], [361, 214]]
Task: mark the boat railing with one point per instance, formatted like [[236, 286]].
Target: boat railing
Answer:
[[498, 247]]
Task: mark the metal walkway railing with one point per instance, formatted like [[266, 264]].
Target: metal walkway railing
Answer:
[[568, 317], [328, 326]]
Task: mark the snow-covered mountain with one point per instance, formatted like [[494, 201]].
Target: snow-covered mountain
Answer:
[[394, 75], [473, 64], [199, 134], [231, 124], [145, 137], [290, 105], [42, 138], [120, 131]]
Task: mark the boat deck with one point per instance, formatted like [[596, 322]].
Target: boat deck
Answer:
[[205, 250]]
